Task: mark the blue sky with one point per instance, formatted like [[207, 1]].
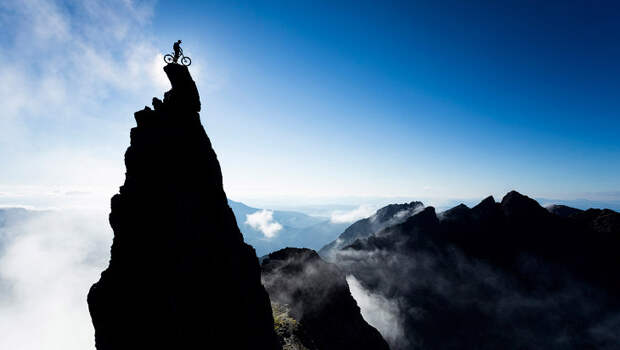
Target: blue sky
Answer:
[[314, 100]]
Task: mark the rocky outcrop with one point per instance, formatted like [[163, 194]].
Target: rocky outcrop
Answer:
[[316, 296], [180, 275]]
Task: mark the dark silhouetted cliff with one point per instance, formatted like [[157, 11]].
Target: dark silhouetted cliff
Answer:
[[507, 275], [315, 294], [180, 275]]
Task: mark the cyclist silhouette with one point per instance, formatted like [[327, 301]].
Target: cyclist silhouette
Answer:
[[177, 50], [177, 55]]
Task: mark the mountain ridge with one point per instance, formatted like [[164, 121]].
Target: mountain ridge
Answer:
[[451, 274], [390, 214]]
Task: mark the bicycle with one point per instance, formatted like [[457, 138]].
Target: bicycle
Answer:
[[186, 61]]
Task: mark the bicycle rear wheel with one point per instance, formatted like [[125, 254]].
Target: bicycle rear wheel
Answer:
[[186, 61], [168, 58]]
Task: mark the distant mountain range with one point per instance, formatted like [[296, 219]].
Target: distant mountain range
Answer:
[[297, 229], [582, 204]]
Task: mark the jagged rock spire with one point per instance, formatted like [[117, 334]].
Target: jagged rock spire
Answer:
[[180, 275]]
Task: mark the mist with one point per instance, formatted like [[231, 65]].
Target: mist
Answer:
[[48, 261], [379, 312], [426, 300]]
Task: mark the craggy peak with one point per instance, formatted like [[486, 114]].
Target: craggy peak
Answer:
[[180, 275]]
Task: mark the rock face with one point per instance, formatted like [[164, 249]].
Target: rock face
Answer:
[[315, 294], [508, 275], [180, 275]]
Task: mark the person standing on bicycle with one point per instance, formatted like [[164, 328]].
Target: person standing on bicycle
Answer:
[[177, 50]]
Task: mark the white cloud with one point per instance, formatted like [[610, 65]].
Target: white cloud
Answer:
[[77, 70], [263, 221], [47, 265], [99, 46], [363, 211], [378, 311]]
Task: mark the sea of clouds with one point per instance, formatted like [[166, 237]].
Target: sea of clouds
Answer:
[[48, 260]]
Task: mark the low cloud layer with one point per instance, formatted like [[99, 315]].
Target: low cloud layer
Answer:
[[263, 221], [418, 292], [48, 261], [363, 211]]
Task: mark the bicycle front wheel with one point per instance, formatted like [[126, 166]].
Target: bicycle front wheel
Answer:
[[186, 61]]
